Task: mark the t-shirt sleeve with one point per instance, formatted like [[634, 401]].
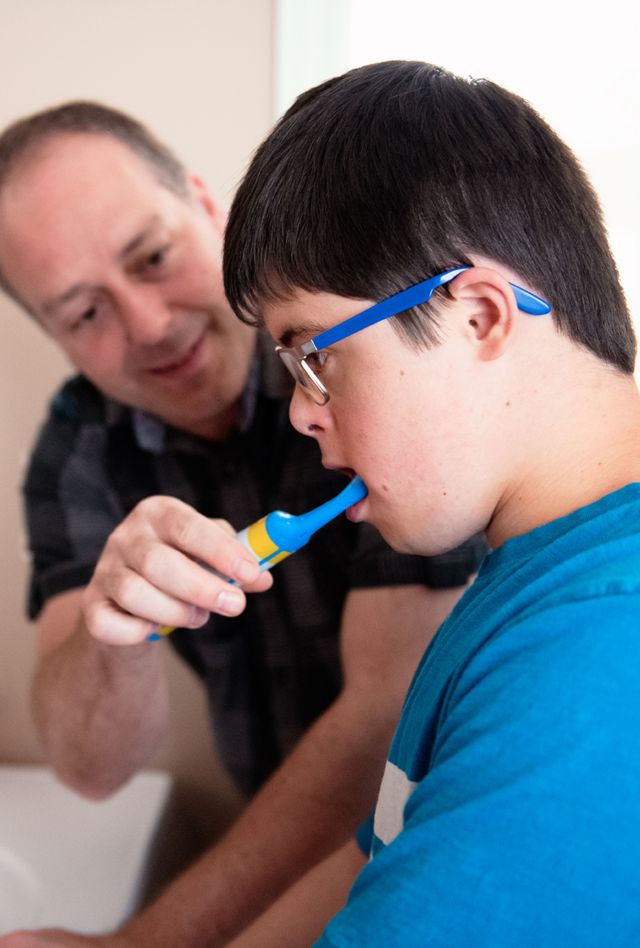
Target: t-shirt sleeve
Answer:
[[526, 828], [69, 509]]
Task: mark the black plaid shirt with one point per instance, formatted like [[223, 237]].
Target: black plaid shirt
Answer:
[[271, 671]]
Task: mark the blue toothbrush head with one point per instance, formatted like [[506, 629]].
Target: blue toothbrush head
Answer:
[[291, 532]]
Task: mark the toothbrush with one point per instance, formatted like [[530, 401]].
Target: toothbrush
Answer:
[[276, 536]]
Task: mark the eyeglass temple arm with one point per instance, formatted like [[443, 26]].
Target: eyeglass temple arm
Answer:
[[529, 303], [413, 296]]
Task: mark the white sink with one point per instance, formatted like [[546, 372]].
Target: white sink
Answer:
[[72, 863], [21, 897]]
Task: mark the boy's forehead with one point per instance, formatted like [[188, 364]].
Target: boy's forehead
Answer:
[[304, 314]]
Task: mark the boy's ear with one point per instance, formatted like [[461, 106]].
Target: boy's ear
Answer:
[[488, 310], [211, 208]]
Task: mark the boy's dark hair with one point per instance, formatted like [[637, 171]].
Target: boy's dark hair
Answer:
[[393, 172], [22, 140]]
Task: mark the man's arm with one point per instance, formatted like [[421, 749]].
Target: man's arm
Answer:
[[100, 710], [300, 916], [313, 804], [294, 921], [99, 691]]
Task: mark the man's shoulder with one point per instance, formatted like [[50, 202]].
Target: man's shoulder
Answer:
[[76, 425], [79, 402]]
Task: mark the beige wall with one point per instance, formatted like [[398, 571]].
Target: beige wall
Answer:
[[199, 72]]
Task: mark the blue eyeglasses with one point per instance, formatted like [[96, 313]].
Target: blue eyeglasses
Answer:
[[300, 360]]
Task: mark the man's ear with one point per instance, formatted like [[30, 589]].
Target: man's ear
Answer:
[[488, 310], [211, 208]]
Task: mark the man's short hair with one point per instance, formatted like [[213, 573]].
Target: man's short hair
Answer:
[[393, 172], [23, 139]]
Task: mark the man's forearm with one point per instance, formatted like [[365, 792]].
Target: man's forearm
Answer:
[[300, 916], [321, 793], [307, 810], [100, 710]]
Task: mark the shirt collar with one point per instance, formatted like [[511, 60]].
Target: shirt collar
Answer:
[[266, 375]]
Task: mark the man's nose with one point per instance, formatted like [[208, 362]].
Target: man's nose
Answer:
[[305, 415], [145, 315]]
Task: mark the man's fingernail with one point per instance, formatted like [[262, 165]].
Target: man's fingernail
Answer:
[[245, 571], [198, 617], [229, 602]]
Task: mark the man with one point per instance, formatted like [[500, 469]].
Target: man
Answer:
[[116, 252], [501, 398]]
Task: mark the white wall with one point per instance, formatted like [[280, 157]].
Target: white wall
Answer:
[[199, 72]]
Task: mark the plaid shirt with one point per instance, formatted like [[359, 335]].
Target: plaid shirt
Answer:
[[270, 672]]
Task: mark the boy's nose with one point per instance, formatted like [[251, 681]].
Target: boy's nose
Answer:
[[305, 415]]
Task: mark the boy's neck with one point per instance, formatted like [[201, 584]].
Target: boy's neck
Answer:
[[582, 442]]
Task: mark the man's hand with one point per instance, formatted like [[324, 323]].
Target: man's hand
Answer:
[[150, 573], [101, 710]]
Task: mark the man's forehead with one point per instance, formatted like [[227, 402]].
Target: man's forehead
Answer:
[[76, 161]]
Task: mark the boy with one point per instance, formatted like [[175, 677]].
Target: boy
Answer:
[[497, 395]]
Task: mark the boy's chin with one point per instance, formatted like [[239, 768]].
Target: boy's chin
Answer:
[[402, 541], [412, 542]]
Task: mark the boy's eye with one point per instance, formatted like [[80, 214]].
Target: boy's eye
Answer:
[[316, 360]]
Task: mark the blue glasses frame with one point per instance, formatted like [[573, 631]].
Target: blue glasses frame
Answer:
[[296, 358]]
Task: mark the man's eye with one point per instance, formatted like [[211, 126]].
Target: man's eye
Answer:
[[158, 257], [85, 317]]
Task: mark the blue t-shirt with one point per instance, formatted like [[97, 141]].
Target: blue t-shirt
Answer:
[[509, 813]]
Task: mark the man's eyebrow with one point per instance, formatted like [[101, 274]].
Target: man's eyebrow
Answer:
[[140, 237], [51, 305]]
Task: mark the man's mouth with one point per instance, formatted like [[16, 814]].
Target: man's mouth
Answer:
[[179, 363]]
